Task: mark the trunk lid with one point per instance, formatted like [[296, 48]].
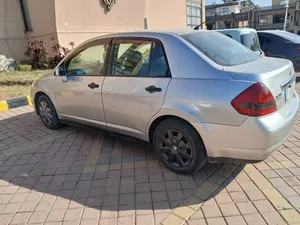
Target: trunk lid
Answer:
[[277, 75]]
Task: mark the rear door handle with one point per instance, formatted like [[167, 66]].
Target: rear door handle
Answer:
[[152, 89], [93, 85]]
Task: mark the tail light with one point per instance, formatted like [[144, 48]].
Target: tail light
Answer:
[[298, 48], [256, 100]]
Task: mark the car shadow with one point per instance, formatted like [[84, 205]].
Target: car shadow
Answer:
[[297, 79], [82, 167]]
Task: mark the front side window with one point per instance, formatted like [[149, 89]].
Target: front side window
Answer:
[[89, 62], [139, 59]]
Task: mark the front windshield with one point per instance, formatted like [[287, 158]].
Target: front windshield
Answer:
[[251, 41], [221, 49]]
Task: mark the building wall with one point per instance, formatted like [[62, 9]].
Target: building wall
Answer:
[[12, 37], [231, 8], [43, 22], [90, 18], [77, 20], [166, 13]]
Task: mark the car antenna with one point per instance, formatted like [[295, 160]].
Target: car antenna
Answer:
[[197, 27]]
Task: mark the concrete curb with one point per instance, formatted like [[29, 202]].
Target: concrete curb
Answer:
[[14, 103]]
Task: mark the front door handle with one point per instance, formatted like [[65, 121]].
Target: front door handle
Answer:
[[152, 89], [93, 85]]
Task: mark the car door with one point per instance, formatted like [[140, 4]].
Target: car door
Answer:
[[135, 85], [79, 84]]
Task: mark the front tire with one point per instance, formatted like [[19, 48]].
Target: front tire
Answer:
[[48, 113], [179, 146]]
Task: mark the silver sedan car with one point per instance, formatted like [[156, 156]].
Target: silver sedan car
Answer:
[[196, 95]]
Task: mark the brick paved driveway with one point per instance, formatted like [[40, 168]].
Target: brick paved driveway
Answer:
[[85, 176]]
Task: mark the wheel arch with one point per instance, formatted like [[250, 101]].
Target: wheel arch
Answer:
[[161, 118]]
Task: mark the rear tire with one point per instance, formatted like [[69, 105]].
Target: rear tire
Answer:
[[48, 113], [179, 146]]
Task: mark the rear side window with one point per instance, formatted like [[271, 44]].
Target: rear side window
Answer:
[[251, 41], [220, 49], [141, 59]]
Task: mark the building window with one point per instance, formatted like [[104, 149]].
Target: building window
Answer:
[[278, 18], [193, 14], [224, 11], [25, 15]]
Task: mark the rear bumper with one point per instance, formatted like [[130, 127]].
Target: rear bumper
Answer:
[[253, 141]]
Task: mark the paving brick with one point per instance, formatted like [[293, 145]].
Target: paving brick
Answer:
[[291, 216], [143, 197], [73, 214], [211, 211], [89, 222], [146, 208], [175, 195], [55, 215], [246, 208], [109, 221], [183, 212], [229, 209], [28, 206], [5, 198], [126, 220], [159, 196], [273, 218], [172, 219], [6, 218], [197, 222], [264, 206], [20, 218], [143, 187], [235, 220], [223, 198], [254, 219], [90, 213], [277, 182], [145, 219], [238, 197], [295, 201], [216, 221], [173, 185], [158, 208], [10, 208], [287, 191], [38, 217], [197, 215]]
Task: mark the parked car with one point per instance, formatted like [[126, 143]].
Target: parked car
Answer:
[[245, 36], [196, 95], [281, 44]]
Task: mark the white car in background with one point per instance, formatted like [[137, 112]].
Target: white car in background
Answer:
[[245, 36]]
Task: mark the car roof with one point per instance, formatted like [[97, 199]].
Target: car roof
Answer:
[[149, 33], [272, 31]]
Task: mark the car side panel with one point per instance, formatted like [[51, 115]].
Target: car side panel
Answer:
[[44, 85], [207, 101]]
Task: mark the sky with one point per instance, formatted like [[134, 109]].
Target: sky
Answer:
[[259, 2]]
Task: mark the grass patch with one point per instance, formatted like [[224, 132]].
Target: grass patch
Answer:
[[17, 83], [14, 91]]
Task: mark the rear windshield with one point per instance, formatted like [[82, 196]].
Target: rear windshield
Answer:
[[251, 41], [221, 49]]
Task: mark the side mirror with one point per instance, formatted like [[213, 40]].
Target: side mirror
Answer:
[[60, 71]]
